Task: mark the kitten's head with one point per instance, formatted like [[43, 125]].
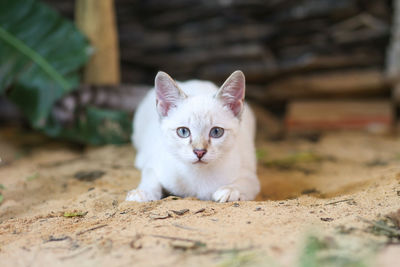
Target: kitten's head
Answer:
[[200, 129]]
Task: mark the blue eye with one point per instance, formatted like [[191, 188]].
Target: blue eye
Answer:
[[216, 132], [183, 132]]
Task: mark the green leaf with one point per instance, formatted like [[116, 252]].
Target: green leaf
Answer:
[[261, 153], [309, 256], [32, 177], [293, 159], [75, 214], [40, 55], [1, 198]]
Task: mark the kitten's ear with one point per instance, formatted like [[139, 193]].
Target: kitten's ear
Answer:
[[232, 92], [168, 94]]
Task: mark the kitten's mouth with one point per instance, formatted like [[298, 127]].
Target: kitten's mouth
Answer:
[[199, 162]]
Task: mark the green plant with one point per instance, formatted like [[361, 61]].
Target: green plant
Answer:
[[326, 252], [41, 54], [1, 195]]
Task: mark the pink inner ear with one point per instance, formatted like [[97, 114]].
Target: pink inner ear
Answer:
[[232, 92], [167, 93], [163, 107], [236, 107], [163, 102]]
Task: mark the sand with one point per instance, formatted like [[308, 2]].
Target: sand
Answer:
[[323, 188]]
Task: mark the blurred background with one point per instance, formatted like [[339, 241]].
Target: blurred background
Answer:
[[310, 65]]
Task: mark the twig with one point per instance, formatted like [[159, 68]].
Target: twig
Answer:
[[52, 238], [223, 251], [180, 212], [184, 227], [91, 229], [382, 227], [339, 201], [159, 216], [200, 210], [199, 243]]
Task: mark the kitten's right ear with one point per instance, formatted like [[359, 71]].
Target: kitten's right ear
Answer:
[[168, 94], [232, 92]]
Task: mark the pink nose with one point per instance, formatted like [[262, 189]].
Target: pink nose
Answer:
[[199, 152]]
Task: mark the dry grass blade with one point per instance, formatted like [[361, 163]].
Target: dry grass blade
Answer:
[[386, 228], [91, 229], [154, 216], [180, 212], [339, 201]]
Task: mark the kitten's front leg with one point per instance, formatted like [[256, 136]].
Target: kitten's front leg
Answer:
[[149, 188], [245, 188]]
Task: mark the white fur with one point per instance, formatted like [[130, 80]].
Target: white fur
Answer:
[[167, 161]]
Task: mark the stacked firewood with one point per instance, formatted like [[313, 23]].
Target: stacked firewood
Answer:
[[288, 49]]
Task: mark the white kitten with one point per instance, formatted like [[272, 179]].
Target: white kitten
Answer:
[[195, 140]]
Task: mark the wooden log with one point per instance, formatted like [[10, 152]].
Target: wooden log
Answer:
[[326, 84], [393, 55], [160, 5], [195, 39], [135, 37], [194, 57], [121, 97], [329, 8], [207, 33], [279, 11], [309, 116], [255, 70], [362, 27], [308, 60], [204, 34], [137, 75], [97, 20]]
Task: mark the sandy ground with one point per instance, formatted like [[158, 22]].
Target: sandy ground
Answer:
[[312, 191]]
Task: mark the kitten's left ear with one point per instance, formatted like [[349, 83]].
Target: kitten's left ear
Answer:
[[232, 92]]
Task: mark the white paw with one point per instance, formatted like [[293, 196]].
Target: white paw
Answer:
[[140, 196], [227, 193]]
